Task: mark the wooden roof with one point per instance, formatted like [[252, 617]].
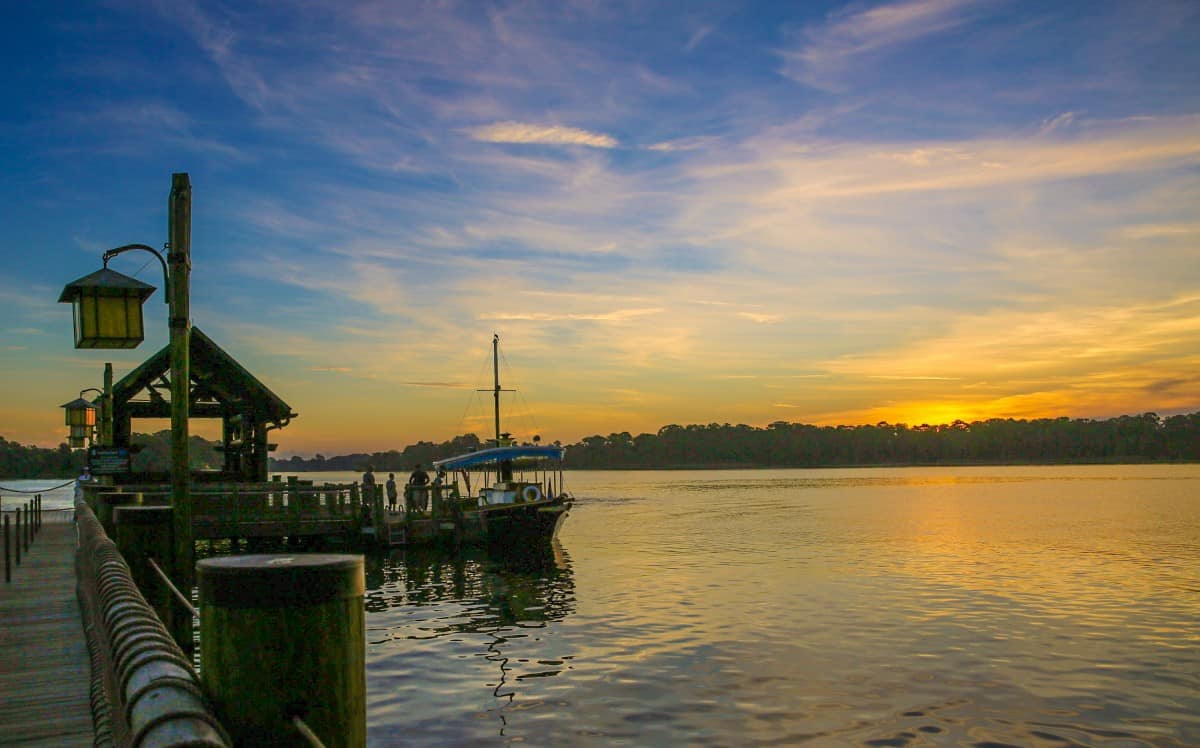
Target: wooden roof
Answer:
[[215, 378]]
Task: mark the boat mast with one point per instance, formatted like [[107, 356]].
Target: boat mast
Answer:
[[496, 375]]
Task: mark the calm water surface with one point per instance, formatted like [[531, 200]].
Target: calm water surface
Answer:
[[1030, 606], [1034, 606]]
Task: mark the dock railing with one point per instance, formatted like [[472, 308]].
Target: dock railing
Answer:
[[21, 523], [144, 691], [249, 510]]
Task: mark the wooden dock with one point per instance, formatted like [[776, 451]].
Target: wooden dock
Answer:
[[45, 669]]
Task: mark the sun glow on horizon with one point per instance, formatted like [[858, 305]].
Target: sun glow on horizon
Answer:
[[743, 225]]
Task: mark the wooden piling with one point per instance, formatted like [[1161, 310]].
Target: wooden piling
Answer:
[[108, 502], [284, 636], [145, 533], [7, 552]]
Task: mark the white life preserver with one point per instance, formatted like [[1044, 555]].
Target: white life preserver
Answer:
[[531, 493]]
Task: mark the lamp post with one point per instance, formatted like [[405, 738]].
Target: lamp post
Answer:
[[108, 314]]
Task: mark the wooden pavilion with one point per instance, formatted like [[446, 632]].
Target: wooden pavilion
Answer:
[[220, 387]]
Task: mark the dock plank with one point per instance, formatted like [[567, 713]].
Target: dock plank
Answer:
[[44, 666]]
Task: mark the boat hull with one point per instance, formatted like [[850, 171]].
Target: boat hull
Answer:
[[498, 527], [516, 526]]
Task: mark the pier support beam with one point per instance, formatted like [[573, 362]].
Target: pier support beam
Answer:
[[144, 533]]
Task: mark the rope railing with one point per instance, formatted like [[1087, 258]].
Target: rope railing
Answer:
[[144, 690], [37, 490]]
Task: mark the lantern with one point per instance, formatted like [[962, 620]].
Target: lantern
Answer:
[[78, 437], [80, 413], [108, 309]]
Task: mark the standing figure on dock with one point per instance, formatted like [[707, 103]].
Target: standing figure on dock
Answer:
[[420, 480], [391, 492], [368, 485], [84, 477]]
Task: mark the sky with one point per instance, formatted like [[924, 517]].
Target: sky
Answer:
[[670, 213]]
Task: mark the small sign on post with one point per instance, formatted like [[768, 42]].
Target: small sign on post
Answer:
[[108, 460]]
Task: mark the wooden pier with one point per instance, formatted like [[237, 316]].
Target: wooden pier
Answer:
[[44, 664]]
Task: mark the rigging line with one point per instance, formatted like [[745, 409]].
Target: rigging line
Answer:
[[527, 411], [475, 394], [511, 376]]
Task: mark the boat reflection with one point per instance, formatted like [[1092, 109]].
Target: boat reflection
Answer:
[[442, 625], [525, 588]]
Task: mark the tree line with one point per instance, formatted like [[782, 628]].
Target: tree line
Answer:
[[1141, 438], [150, 453], [421, 453], [1144, 438]]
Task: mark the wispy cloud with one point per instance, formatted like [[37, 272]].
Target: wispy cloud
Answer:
[[522, 132], [1060, 122], [620, 315], [825, 53], [758, 317], [694, 143]]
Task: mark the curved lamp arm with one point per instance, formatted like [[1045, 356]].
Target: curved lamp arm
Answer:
[[109, 254]]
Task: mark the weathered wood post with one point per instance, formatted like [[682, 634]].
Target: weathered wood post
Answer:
[[179, 228], [28, 526], [107, 504], [145, 533], [284, 636], [7, 552], [17, 536]]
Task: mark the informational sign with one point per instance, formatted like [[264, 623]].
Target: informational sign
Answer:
[[108, 460]]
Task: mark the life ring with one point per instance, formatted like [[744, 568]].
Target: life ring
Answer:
[[531, 493]]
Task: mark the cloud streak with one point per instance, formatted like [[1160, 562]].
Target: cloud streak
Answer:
[[525, 133], [826, 53]]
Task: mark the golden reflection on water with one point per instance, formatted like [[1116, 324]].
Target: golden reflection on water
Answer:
[[1020, 606]]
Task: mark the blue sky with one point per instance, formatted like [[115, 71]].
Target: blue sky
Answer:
[[670, 212]]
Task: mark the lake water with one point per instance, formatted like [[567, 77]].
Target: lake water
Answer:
[[989, 606]]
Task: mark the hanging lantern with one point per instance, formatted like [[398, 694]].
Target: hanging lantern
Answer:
[[80, 413], [78, 437], [108, 309]]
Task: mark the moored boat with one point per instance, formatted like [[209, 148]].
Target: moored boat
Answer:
[[507, 495]]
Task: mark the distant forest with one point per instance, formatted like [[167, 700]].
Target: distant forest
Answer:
[[1143, 438], [153, 454]]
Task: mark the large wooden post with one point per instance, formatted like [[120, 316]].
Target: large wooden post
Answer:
[[144, 533], [179, 260], [106, 412], [284, 636]]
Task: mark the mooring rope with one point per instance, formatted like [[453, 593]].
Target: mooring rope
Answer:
[[307, 732], [37, 490], [179, 595]]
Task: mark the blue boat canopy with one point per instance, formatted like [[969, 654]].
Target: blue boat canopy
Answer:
[[499, 454]]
